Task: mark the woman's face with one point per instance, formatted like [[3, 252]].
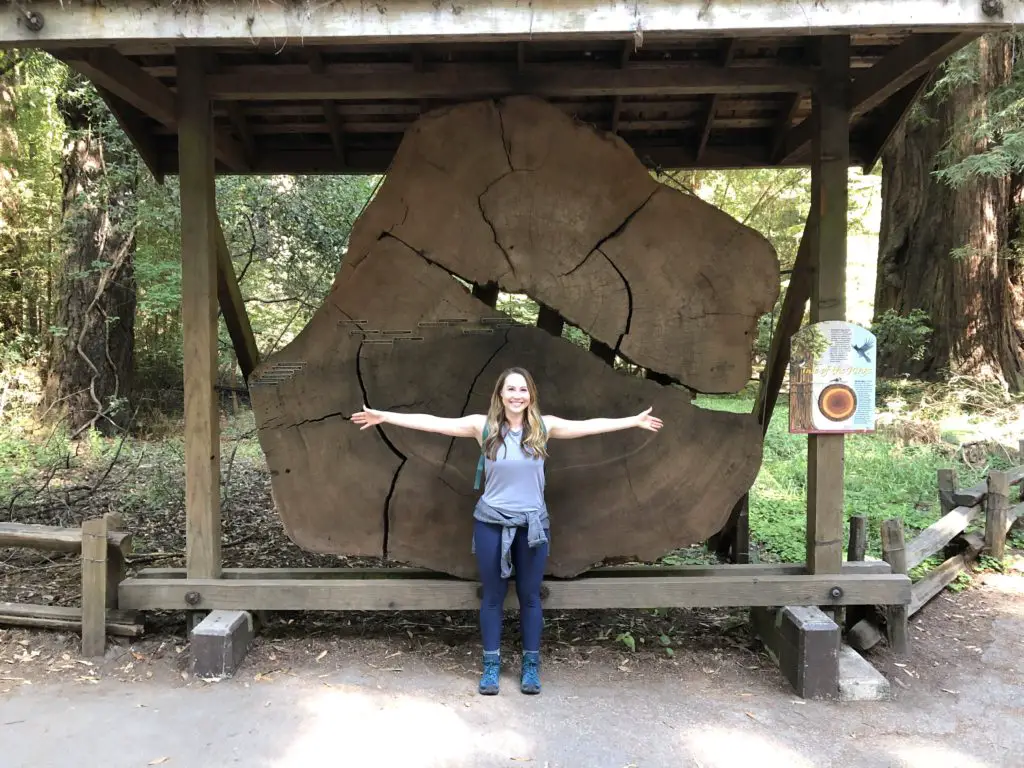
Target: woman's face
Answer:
[[515, 394]]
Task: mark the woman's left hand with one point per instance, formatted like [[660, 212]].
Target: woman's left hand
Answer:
[[646, 421]]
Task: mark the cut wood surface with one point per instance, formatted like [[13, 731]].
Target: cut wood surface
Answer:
[[52, 538], [518, 194]]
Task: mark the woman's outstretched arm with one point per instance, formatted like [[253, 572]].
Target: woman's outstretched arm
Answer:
[[464, 426], [566, 429]]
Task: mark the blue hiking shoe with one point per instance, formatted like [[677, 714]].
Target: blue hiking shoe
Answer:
[[492, 669], [530, 682]]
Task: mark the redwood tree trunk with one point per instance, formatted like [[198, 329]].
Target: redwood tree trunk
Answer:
[[944, 249], [90, 365]]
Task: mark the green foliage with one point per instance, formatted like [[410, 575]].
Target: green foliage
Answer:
[[907, 333], [883, 479], [988, 141]]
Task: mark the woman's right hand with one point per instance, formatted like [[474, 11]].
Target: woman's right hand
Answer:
[[367, 417]]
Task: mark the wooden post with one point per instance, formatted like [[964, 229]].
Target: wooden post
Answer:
[[855, 553], [829, 168], [894, 552], [858, 539], [199, 312], [997, 503], [115, 568], [947, 488], [94, 587]]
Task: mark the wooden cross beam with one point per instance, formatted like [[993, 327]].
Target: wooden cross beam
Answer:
[[728, 52], [914, 57], [627, 49], [459, 81], [113, 72], [130, 121], [316, 65]]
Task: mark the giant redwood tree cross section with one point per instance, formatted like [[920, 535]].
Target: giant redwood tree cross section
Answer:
[[515, 192]]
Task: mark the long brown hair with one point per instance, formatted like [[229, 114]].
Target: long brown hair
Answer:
[[534, 439]]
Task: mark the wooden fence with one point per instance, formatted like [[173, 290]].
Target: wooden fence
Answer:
[[103, 544], [989, 501]]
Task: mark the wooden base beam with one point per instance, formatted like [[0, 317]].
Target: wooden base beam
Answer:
[[454, 594], [611, 571]]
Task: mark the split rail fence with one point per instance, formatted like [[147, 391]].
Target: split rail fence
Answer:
[[988, 502], [103, 544]]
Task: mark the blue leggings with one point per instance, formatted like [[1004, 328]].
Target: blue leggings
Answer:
[[529, 572]]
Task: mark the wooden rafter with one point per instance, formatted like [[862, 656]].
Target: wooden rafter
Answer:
[[784, 125], [914, 57], [728, 52], [115, 73], [235, 113], [627, 49], [316, 65], [460, 81], [892, 116], [130, 121]]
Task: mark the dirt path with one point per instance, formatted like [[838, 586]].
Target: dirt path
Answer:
[[393, 692]]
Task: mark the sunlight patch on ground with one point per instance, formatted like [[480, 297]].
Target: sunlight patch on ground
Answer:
[[1007, 585], [727, 747], [935, 756], [382, 729]]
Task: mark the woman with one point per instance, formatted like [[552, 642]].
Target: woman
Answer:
[[510, 529]]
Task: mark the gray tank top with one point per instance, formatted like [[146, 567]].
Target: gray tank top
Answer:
[[515, 480]]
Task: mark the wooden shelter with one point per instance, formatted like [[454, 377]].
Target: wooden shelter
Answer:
[[236, 88]]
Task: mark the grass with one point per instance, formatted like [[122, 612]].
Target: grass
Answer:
[[884, 478]]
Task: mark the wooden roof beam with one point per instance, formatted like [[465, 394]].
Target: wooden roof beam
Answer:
[[316, 65], [226, 22], [914, 57], [468, 81], [235, 113], [728, 53], [892, 117], [130, 121], [372, 160], [628, 46], [109, 70]]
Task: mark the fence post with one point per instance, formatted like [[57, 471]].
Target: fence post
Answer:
[[115, 571], [997, 504], [894, 552], [947, 487], [94, 587]]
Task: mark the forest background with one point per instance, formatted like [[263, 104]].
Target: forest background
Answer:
[[91, 390]]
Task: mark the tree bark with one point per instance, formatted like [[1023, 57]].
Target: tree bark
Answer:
[[91, 357], [945, 249]]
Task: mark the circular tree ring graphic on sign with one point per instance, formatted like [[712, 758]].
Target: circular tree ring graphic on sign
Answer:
[[837, 402]]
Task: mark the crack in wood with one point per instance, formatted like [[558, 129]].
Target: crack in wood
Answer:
[[387, 441], [472, 386], [629, 300], [314, 421], [490, 224]]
